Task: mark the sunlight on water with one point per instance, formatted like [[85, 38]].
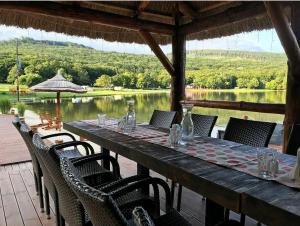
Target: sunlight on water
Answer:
[[115, 106]]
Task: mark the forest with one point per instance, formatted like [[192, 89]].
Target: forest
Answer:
[[209, 69]]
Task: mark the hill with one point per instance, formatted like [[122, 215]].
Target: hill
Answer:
[[213, 69]]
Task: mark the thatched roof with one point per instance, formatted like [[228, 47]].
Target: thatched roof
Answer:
[[58, 84], [121, 20]]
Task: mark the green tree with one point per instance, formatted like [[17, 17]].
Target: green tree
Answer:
[[104, 81]]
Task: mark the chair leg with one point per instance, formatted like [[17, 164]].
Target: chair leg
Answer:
[[62, 221], [36, 184], [173, 184], [243, 219], [227, 214], [47, 204], [57, 214], [41, 196], [179, 194]]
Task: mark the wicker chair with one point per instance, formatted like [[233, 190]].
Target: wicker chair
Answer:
[[37, 172], [69, 208], [102, 206], [294, 140], [248, 132], [162, 119], [203, 126], [66, 198]]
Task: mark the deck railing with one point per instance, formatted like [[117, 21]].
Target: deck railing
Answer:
[[239, 105]]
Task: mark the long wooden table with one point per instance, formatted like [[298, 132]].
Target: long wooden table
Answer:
[[269, 202]]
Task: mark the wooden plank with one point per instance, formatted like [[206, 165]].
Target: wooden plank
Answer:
[[27, 210], [73, 12], [270, 197], [239, 105], [10, 205], [2, 214], [30, 187]]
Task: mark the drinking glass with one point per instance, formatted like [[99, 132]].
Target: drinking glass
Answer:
[[101, 120], [264, 160]]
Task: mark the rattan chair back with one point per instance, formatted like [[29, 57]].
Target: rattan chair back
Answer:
[[249, 132], [101, 208], [69, 208], [162, 119], [203, 124]]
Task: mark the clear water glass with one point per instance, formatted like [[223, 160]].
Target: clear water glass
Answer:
[[264, 161], [101, 120]]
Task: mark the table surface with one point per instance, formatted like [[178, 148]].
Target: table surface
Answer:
[[267, 201]]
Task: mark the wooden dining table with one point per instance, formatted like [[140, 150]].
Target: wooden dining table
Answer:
[[269, 202]]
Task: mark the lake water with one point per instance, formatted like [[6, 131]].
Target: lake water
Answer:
[[115, 106]]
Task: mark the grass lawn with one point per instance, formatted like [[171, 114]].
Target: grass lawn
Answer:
[[4, 92]]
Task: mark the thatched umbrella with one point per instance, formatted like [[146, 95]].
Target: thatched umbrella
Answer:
[[58, 84]]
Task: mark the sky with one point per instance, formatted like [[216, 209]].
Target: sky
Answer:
[[266, 41]]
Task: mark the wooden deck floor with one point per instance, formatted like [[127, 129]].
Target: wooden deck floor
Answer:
[[19, 204], [12, 147]]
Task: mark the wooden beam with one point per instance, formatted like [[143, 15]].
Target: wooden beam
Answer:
[[86, 15], [187, 10], [179, 61], [290, 38], [236, 14], [239, 105], [106, 7], [284, 31], [148, 38], [141, 7]]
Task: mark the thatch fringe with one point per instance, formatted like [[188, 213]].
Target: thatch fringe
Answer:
[[96, 31]]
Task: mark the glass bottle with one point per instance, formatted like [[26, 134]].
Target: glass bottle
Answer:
[[187, 124], [130, 116]]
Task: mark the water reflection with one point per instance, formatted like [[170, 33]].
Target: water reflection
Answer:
[[115, 106]]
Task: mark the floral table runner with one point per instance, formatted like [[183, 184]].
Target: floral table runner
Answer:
[[233, 155], [221, 152]]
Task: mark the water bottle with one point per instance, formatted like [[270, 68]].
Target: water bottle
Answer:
[[130, 116], [187, 124]]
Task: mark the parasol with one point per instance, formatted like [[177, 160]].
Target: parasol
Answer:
[[58, 84]]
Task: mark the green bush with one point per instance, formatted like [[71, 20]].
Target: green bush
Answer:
[[21, 106], [5, 105]]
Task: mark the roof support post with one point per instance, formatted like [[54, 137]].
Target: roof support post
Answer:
[[148, 38], [179, 60], [289, 36]]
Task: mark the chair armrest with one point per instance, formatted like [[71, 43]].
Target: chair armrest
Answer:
[[140, 184], [117, 184], [59, 134], [90, 158], [88, 148]]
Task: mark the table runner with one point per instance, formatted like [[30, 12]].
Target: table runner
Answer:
[[139, 132], [233, 155], [225, 153]]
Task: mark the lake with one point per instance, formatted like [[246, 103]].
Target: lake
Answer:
[[115, 106]]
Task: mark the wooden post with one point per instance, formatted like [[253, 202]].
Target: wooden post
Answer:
[[292, 114], [289, 37], [178, 80]]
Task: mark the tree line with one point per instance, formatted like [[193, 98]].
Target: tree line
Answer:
[[211, 69]]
